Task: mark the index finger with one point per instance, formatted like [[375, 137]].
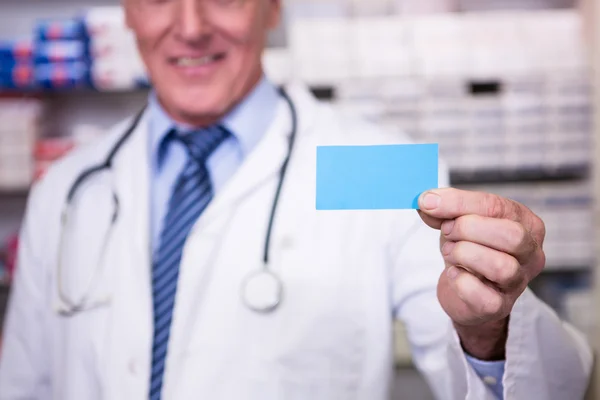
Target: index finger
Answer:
[[451, 203]]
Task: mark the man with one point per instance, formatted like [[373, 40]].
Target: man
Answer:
[[199, 172]]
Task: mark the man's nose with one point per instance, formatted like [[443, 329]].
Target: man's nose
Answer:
[[192, 20]]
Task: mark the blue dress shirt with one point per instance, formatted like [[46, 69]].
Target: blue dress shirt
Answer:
[[247, 122]]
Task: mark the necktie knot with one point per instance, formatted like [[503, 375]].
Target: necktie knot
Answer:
[[202, 143]]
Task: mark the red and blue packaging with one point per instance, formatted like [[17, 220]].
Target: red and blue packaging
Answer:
[[61, 51], [61, 54], [16, 65], [72, 75], [15, 51], [18, 77], [58, 57], [61, 29]]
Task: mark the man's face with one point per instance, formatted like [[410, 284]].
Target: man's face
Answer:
[[203, 56]]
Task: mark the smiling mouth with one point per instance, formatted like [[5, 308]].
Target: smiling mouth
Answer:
[[198, 61]]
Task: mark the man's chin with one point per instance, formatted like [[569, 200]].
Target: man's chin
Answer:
[[196, 104]]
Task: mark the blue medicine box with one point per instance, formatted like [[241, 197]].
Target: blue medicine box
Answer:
[[14, 51], [61, 51], [61, 29], [17, 77], [63, 76]]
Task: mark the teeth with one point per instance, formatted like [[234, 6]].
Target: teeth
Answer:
[[195, 62]]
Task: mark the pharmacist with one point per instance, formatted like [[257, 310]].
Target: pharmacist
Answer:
[[181, 256]]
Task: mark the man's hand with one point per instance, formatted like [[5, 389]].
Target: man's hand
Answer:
[[492, 248]]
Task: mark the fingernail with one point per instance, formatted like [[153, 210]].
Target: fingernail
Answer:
[[447, 227], [452, 273], [447, 248], [431, 201]]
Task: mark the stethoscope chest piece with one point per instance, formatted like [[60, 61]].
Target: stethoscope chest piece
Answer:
[[262, 291]]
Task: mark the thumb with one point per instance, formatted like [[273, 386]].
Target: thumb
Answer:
[[432, 222]]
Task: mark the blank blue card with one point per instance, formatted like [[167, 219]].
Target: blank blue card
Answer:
[[375, 177]]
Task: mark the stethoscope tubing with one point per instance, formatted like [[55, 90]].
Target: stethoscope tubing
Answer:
[[69, 307]]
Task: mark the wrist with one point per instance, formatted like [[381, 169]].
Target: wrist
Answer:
[[485, 342]]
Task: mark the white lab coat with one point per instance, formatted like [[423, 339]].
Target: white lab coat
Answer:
[[346, 274]]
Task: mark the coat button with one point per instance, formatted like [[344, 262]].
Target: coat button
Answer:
[[287, 242], [133, 367], [490, 380]]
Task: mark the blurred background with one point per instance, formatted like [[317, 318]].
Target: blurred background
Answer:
[[506, 87]]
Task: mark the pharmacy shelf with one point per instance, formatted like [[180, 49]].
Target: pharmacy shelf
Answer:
[[567, 268], [46, 93], [591, 10], [326, 93], [4, 293], [14, 193], [516, 175]]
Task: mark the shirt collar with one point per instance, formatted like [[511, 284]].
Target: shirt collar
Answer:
[[247, 122]]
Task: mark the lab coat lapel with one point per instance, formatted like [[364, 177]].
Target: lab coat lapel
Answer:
[[203, 242], [261, 167], [130, 332], [133, 185]]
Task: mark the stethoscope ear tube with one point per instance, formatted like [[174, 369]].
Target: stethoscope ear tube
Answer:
[[67, 307], [107, 164], [282, 173], [85, 175]]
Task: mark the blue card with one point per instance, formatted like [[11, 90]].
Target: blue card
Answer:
[[375, 177]]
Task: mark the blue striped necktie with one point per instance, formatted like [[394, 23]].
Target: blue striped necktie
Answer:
[[191, 194]]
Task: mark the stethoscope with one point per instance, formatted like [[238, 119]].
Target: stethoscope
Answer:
[[261, 290]]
